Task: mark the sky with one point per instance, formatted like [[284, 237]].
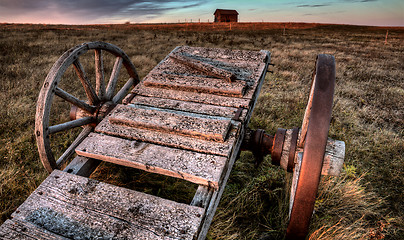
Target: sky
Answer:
[[357, 12]]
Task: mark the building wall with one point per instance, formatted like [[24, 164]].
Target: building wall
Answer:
[[226, 18]]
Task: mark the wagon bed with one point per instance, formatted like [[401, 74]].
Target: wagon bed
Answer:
[[186, 119]]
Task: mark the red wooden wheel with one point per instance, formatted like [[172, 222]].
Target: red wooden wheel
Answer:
[[313, 140]]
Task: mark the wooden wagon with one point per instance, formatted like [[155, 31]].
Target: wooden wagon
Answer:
[[186, 119]]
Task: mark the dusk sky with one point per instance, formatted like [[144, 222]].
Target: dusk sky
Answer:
[[358, 12]]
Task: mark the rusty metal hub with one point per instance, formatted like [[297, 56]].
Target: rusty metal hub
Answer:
[[262, 144], [102, 110]]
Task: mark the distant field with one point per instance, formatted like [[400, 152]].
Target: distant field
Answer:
[[365, 202]]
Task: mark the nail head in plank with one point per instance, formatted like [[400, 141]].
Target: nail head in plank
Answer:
[[195, 167], [163, 121], [71, 205]]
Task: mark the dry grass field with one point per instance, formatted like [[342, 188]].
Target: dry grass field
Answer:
[[365, 202]]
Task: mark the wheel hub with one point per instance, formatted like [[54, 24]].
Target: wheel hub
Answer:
[[102, 110]]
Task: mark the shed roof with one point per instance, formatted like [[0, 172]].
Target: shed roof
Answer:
[[226, 11]]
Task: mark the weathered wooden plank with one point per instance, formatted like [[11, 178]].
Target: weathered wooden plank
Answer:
[[171, 140], [196, 84], [80, 208], [242, 71], [225, 54], [164, 121], [191, 107], [207, 68], [22, 230], [258, 75], [199, 168], [205, 98]]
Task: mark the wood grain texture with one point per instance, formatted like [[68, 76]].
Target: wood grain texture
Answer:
[[209, 69], [295, 179], [114, 78], [196, 84], [333, 157], [80, 208], [22, 230], [171, 140], [199, 168], [205, 98], [174, 123], [191, 107]]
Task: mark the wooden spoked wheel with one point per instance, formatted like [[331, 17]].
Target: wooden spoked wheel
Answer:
[[86, 113], [313, 140]]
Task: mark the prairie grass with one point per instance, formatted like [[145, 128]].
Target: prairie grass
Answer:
[[365, 202]]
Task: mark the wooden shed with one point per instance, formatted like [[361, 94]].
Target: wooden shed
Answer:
[[226, 15]]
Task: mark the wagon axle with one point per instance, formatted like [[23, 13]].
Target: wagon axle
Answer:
[[283, 148]]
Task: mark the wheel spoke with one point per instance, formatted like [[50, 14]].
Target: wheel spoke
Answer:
[[99, 74], [124, 90], [114, 78], [75, 101], [70, 150], [71, 124], [92, 97]]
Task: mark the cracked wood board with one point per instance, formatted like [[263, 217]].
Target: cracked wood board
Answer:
[[73, 206], [164, 121], [199, 168], [196, 84], [191, 107], [171, 140]]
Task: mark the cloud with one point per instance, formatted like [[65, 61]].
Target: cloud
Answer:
[[92, 10], [314, 5]]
